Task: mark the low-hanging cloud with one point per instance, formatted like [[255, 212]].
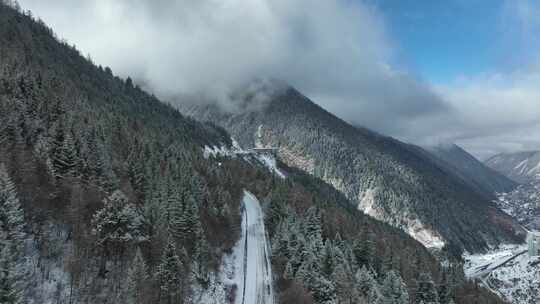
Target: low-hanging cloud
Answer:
[[336, 52]]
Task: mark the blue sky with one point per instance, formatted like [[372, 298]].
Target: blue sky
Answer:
[[444, 40]]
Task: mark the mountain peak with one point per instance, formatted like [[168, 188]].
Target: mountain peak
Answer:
[[390, 180]]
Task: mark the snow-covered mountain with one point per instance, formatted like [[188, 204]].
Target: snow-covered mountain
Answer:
[[523, 203], [477, 175], [387, 179], [509, 271], [520, 166], [108, 195]]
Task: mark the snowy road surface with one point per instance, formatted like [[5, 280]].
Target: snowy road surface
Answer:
[[255, 286], [481, 265]]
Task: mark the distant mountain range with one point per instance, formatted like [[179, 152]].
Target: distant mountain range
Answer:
[[522, 167], [472, 171], [397, 183]]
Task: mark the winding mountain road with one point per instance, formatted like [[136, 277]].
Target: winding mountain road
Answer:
[[256, 275]]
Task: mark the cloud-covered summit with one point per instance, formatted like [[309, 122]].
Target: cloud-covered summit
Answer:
[[339, 53]]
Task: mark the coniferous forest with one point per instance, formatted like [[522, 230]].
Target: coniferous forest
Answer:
[[106, 196]]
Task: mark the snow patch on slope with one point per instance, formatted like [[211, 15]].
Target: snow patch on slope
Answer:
[[266, 159], [426, 236], [270, 162], [367, 202], [216, 151]]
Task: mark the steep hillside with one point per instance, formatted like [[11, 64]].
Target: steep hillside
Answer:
[[520, 166], [107, 196], [523, 203], [477, 175], [385, 178]]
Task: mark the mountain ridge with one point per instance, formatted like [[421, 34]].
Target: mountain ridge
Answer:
[[476, 174], [389, 177], [521, 167]]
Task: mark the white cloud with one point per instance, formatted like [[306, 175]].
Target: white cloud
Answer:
[[336, 52]]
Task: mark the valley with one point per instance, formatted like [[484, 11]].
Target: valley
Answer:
[[161, 171]]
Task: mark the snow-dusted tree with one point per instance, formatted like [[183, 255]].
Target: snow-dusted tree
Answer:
[[324, 291], [328, 259], [367, 288], [289, 271], [64, 158], [425, 289], [118, 223], [136, 173], [201, 255], [393, 289], [137, 279], [344, 281], [364, 248], [183, 217], [169, 275], [444, 291], [312, 224], [12, 237]]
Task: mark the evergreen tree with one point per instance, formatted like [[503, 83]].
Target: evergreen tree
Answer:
[[201, 255], [118, 223], [393, 290], [137, 279], [366, 285], [344, 282], [276, 211], [426, 290], [12, 238], [444, 290], [364, 248], [64, 158], [169, 275], [184, 218], [313, 228], [289, 271]]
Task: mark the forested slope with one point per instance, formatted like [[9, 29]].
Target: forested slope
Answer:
[[478, 176], [385, 178], [106, 197]]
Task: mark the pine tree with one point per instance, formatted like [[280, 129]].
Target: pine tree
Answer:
[[201, 255], [425, 289], [184, 217], [137, 279], [393, 289], [276, 211], [118, 222], [313, 228], [64, 158], [444, 290], [12, 238], [324, 291], [169, 274], [344, 281], [364, 248], [289, 271], [366, 285]]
